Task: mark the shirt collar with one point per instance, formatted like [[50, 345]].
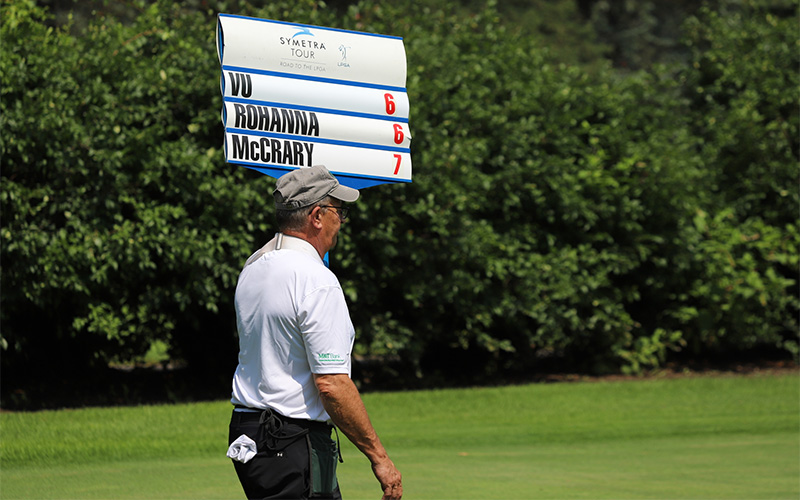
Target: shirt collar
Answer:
[[300, 245]]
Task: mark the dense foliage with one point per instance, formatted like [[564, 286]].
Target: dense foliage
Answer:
[[559, 218], [120, 224]]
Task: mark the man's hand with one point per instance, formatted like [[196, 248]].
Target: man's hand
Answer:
[[390, 479]]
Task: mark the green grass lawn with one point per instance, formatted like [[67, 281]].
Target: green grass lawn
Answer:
[[727, 437]]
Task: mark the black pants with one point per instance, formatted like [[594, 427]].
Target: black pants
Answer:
[[282, 467]]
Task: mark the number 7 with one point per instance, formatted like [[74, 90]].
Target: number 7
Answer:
[[397, 167]]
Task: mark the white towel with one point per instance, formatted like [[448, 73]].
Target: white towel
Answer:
[[243, 449]]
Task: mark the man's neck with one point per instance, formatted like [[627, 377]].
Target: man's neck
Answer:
[[311, 239]]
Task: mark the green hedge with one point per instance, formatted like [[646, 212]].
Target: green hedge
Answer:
[[559, 217]]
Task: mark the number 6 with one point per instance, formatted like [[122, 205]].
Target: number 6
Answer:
[[390, 105], [398, 134]]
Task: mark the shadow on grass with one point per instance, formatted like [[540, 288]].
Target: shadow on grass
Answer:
[[166, 383], [117, 386]]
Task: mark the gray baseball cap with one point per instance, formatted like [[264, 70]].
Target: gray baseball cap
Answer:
[[305, 186]]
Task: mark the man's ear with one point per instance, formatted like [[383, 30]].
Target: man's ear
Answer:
[[316, 217]]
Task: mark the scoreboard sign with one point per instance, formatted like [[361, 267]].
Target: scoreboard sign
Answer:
[[297, 95]]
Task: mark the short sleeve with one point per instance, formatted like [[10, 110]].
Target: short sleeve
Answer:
[[327, 330]]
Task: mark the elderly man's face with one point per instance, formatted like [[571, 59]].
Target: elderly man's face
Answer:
[[332, 223]]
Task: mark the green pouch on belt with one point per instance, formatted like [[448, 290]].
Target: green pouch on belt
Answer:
[[324, 455]]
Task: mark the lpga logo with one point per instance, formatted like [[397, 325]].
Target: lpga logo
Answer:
[[343, 62]]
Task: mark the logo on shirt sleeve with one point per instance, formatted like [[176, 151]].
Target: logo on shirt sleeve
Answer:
[[329, 358]]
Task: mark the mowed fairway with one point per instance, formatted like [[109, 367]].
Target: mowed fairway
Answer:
[[732, 437]]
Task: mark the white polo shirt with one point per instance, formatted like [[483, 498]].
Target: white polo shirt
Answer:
[[293, 322]]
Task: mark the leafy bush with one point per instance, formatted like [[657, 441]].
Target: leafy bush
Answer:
[[741, 299], [742, 83], [544, 200], [558, 218], [120, 225]]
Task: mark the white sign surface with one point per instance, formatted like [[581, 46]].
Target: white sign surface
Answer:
[[298, 95]]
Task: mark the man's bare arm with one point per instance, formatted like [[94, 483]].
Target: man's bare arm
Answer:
[[343, 403]]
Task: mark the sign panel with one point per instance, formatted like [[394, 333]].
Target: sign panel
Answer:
[[297, 95]]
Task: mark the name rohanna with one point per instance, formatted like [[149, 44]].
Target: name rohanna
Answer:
[[266, 119]]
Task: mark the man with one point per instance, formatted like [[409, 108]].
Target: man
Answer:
[[295, 341]]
